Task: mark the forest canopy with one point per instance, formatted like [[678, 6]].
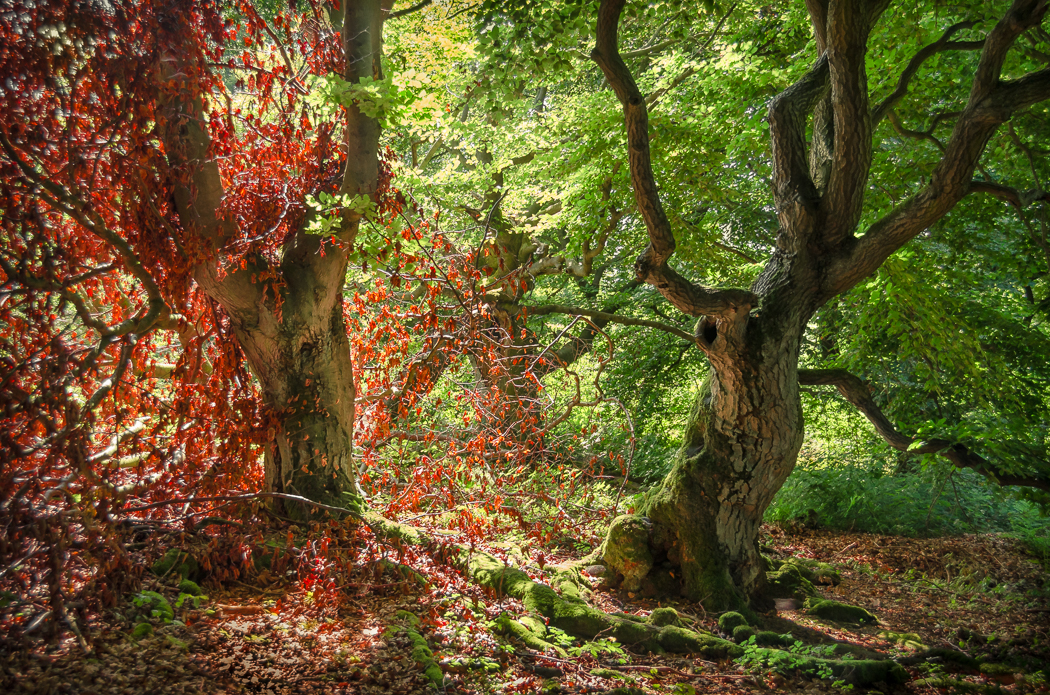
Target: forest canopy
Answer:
[[510, 264]]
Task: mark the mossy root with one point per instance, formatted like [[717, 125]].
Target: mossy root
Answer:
[[421, 653], [566, 608]]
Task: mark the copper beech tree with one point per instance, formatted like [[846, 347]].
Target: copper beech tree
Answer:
[[179, 216], [746, 428], [159, 159]]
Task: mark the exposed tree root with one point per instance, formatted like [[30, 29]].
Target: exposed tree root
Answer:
[[959, 686], [561, 605], [860, 672], [409, 626]]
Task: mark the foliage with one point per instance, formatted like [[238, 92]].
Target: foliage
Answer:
[[129, 404], [853, 482]]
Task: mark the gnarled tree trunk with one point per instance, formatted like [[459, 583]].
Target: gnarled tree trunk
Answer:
[[745, 432], [741, 442]]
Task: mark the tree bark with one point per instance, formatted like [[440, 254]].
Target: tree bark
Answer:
[[745, 431], [741, 443], [287, 316]]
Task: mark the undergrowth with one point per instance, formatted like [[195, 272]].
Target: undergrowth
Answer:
[[862, 486]]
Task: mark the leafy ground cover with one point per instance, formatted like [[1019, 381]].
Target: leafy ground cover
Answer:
[[377, 621]]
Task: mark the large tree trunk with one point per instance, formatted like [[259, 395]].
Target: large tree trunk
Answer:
[[301, 357], [741, 442], [287, 319], [746, 430]]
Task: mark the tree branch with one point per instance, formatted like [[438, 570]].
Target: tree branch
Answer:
[[940, 45], [610, 318], [991, 103], [915, 134], [854, 390], [62, 200], [1013, 196], [409, 10], [848, 27], [651, 266], [794, 193]]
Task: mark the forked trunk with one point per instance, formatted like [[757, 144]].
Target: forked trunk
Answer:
[[301, 356], [287, 315]]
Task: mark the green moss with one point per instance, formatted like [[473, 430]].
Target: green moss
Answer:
[[815, 571], [767, 638], [627, 549], [407, 619], [958, 686], [507, 625], [727, 622], [533, 625], [990, 669], [855, 651], [663, 616], [569, 611], [789, 582], [839, 612], [609, 673], [900, 637], [421, 653], [682, 641], [953, 656], [188, 587], [394, 531], [859, 672], [742, 633]]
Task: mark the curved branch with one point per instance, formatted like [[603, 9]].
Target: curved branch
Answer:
[[794, 192], [854, 390], [848, 27], [991, 103], [906, 132], [62, 200], [651, 266], [409, 10], [1019, 199], [940, 45]]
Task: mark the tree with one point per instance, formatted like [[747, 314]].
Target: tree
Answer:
[[746, 427], [115, 144]]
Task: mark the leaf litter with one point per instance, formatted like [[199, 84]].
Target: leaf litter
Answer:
[[982, 595]]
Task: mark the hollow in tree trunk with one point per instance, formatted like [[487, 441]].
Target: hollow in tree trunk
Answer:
[[741, 442]]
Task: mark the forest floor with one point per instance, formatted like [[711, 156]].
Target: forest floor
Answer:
[[982, 595]]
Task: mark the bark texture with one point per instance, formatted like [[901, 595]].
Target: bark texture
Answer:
[[746, 428], [287, 316]]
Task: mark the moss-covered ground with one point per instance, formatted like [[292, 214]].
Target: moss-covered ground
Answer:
[[418, 615]]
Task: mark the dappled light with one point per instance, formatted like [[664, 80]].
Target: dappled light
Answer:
[[378, 346]]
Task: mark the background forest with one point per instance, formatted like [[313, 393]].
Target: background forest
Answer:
[[275, 276]]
